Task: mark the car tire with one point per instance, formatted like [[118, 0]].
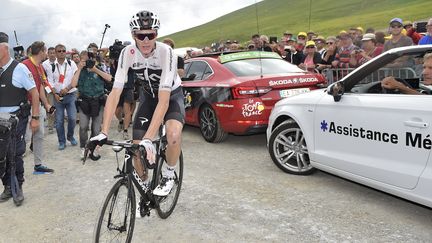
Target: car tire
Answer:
[[210, 127], [288, 149]]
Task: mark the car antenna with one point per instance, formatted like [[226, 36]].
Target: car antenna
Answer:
[[259, 51], [16, 38]]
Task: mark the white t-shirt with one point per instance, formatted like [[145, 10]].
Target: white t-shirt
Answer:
[[157, 72], [66, 69]]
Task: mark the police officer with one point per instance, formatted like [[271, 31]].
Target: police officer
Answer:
[[15, 82]]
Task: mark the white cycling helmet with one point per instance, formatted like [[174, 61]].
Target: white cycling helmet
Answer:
[[144, 20]]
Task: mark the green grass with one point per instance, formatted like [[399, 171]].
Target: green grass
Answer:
[[328, 17]]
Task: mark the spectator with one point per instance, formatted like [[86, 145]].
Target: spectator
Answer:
[[287, 35], [329, 54], [256, 40], [397, 38], [368, 51], [411, 32], [427, 39], [65, 96], [370, 30], [320, 45], [49, 68], [76, 57], [265, 44], [355, 37], [301, 41], [34, 64], [312, 58], [90, 83], [311, 35], [291, 54], [380, 39], [344, 52]]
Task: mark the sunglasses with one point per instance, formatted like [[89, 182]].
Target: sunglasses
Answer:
[[149, 36], [310, 47], [61, 51], [396, 26]]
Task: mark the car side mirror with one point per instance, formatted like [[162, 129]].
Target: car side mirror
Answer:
[[189, 78], [336, 90]]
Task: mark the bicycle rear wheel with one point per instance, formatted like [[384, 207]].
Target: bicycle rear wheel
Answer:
[[116, 219], [167, 204]]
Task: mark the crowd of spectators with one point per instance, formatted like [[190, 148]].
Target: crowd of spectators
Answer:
[[346, 50]]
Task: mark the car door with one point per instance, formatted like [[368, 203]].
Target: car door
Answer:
[[383, 137], [196, 74]]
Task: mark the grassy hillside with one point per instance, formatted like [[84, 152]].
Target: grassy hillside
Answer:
[[328, 17]]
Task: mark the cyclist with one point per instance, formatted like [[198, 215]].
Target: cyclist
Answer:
[[162, 99]]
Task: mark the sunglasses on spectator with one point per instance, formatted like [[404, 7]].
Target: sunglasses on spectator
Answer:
[[301, 37], [61, 51], [309, 47], [142, 36], [396, 26]]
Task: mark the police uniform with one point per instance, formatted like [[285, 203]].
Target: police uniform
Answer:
[[15, 81]]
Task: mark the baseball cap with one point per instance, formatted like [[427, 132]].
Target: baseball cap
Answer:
[[368, 36], [302, 34], [4, 38], [287, 32], [398, 20], [310, 43]]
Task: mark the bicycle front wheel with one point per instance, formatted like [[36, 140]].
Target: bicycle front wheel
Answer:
[[167, 204], [116, 220]]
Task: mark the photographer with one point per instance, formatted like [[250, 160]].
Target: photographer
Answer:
[[368, 51], [90, 80]]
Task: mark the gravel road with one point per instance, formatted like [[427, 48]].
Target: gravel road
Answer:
[[232, 192]]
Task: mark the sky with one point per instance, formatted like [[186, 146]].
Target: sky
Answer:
[[76, 23]]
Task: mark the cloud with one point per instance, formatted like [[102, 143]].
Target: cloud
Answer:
[[80, 22]]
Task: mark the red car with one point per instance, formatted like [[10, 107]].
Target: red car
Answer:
[[235, 93]]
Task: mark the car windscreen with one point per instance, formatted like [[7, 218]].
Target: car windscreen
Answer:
[[252, 67]]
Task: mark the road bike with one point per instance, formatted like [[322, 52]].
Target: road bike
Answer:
[[116, 219]]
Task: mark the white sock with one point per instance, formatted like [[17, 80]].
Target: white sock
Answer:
[[168, 171]]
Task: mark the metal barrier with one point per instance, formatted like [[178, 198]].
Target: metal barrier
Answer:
[[335, 74]]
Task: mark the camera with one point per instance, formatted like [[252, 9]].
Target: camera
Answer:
[[91, 59], [115, 50]]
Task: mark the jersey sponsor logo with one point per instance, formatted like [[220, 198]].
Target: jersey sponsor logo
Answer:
[[132, 51], [137, 64], [142, 120], [415, 140]]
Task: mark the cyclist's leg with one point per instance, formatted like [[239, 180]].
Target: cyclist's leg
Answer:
[[141, 123], [173, 133], [174, 120]]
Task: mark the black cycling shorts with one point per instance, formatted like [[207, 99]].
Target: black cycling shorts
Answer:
[[147, 106], [127, 95]]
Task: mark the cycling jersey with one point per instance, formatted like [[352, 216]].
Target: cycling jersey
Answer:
[[157, 72]]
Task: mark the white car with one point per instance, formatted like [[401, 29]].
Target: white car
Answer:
[[357, 130]]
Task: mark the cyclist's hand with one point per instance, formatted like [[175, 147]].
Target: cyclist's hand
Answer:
[[99, 139], [150, 149]]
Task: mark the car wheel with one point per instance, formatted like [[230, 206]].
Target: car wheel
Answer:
[[210, 126], [288, 149]]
